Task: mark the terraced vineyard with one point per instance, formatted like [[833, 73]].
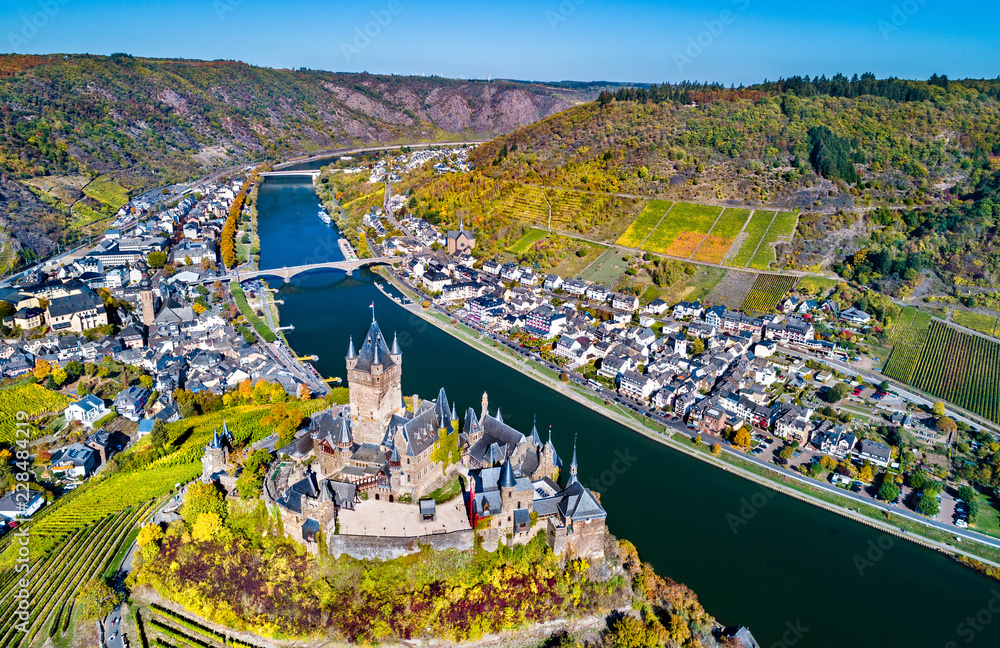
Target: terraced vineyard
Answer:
[[645, 223], [907, 339], [751, 237], [108, 192], [681, 232], [527, 204], [189, 632], [56, 576], [767, 291], [961, 368], [716, 245], [30, 398], [782, 228]]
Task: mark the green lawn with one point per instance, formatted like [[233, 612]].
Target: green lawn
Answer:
[[988, 518], [644, 223], [608, 268], [754, 231], [446, 492], [683, 229], [730, 223], [523, 244], [815, 285], [696, 287], [783, 227]]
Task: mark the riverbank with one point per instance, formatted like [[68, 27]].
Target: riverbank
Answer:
[[732, 461]]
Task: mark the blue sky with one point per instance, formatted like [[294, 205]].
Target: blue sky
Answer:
[[732, 41]]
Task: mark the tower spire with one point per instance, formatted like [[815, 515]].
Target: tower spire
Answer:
[[572, 466], [395, 345], [352, 354]]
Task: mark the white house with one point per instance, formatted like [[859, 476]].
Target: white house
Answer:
[[21, 504], [87, 410]]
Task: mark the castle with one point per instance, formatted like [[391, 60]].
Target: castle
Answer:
[[386, 449]]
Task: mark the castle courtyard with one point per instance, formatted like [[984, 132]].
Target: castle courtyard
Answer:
[[381, 517]]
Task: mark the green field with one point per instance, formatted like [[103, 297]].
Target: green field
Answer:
[[683, 229], [983, 323], [753, 233], [814, 285], [782, 228], [767, 291], [607, 269], [644, 223], [108, 192], [523, 244]]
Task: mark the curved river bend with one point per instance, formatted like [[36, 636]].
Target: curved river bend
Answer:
[[796, 575]]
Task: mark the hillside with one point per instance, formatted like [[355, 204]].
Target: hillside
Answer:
[[904, 168], [127, 124]]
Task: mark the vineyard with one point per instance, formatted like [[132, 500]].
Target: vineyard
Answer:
[[527, 204], [188, 632], [30, 398], [961, 368], [681, 232], [985, 324], [646, 222], [523, 244], [782, 228], [907, 339], [752, 235], [55, 577], [108, 192], [767, 291]]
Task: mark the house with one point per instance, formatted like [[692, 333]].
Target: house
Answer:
[[435, 280], [486, 308], [129, 402], [21, 504], [27, 318], [878, 453], [491, 267], [615, 365], [688, 309], [657, 307], [793, 423], [88, 409], [545, 321], [712, 421], [597, 292], [552, 282], [77, 312], [855, 316], [75, 460], [575, 287], [510, 271], [636, 386], [625, 302], [834, 440]]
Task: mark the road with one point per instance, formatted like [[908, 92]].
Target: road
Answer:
[[112, 625]]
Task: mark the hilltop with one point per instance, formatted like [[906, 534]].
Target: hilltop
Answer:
[[902, 171], [88, 132]]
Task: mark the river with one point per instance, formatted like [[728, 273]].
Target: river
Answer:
[[795, 574]]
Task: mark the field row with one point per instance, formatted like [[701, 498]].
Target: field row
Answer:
[[985, 324], [767, 291], [907, 339], [782, 229]]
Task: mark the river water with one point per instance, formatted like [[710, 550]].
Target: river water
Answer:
[[796, 575]]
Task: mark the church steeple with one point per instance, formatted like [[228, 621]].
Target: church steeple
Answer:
[[572, 466]]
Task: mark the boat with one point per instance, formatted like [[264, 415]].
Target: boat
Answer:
[[323, 216]]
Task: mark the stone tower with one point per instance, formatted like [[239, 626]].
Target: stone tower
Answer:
[[216, 457], [374, 377], [146, 300]]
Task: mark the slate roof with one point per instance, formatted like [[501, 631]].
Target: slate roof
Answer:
[[374, 350]]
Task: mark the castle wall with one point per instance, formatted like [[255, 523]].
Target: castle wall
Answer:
[[389, 548], [586, 541]]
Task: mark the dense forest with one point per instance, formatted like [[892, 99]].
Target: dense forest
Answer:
[[138, 124]]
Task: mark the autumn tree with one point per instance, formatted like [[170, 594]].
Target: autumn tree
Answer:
[[159, 436], [59, 376], [946, 425], [716, 449], [865, 472], [149, 538], [742, 438], [208, 528], [939, 409], [96, 600], [202, 498], [304, 393], [42, 369]]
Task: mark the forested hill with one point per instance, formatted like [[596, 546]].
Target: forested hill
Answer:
[[836, 149], [147, 122]]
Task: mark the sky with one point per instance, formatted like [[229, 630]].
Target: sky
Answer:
[[729, 41]]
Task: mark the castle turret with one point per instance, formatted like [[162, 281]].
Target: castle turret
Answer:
[[572, 467], [352, 355], [396, 353], [507, 482], [486, 403]]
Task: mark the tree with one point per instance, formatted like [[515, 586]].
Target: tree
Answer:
[[149, 538], [928, 504], [939, 409], [828, 463], [159, 436], [969, 495], [946, 425], [251, 479], [884, 386], [304, 393], [202, 498], [245, 390], [865, 472], [917, 479], [146, 381], [59, 376], [742, 438], [786, 453], [696, 347], [208, 527], [6, 309], [838, 392], [716, 449], [156, 260], [888, 491], [42, 369], [96, 599]]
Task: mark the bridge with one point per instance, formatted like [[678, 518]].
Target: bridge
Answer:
[[348, 266], [277, 174]]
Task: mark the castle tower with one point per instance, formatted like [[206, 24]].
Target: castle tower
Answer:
[[146, 301], [507, 484], [374, 377], [485, 410], [572, 467], [216, 457]]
